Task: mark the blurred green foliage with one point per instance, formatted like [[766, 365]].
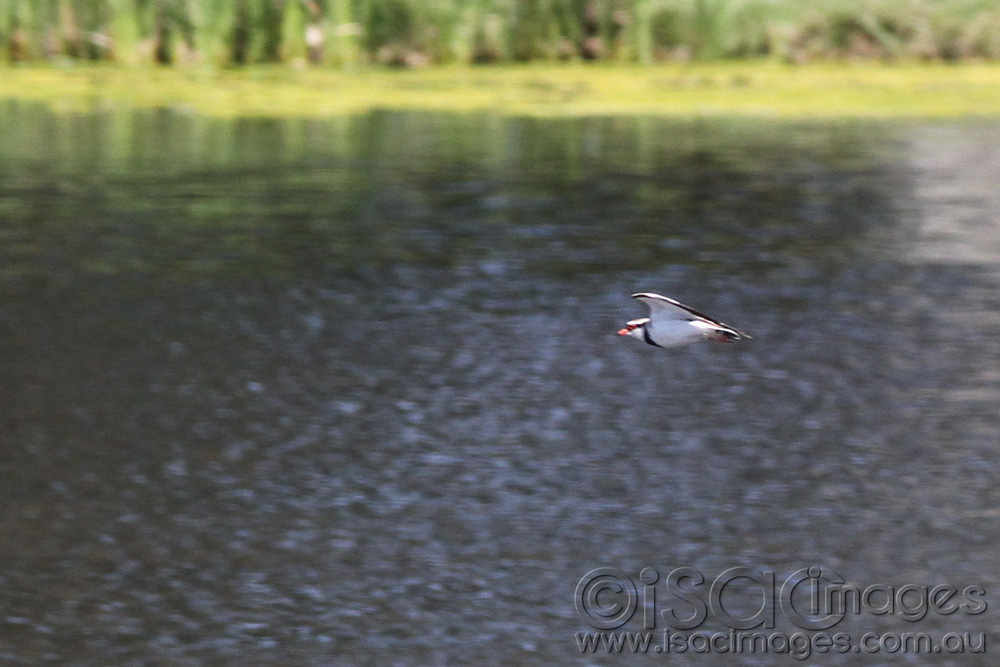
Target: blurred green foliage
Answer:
[[731, 88], [412, 33]]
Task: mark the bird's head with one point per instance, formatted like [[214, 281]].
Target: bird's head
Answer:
[[634, 328]]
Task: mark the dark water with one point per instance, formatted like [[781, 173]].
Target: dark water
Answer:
[[348, 391]]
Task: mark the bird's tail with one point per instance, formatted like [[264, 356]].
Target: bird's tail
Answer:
[[727, 334]]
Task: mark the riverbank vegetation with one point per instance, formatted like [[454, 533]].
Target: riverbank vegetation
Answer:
[[412, 33], [769, 89]]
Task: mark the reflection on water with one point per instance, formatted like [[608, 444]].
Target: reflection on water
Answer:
[[328, 391]]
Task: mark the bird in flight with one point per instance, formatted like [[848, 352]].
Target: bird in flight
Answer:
[[672, 323]]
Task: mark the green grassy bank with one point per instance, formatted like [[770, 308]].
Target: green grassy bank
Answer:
[[680, 90], [341, 33]]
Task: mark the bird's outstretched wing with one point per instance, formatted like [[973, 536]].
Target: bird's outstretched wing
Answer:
[[665, 307]]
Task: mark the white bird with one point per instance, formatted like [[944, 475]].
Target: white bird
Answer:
[[672, 323]]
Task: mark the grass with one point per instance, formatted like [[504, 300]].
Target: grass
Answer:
[[823, 90], [343, 33]]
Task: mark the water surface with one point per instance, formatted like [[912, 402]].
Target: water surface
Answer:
[[348, 391]]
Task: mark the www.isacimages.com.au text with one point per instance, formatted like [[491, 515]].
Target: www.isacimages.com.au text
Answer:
[[800, 645]]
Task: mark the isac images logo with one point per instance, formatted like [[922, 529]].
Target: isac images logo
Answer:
[[813, 599]]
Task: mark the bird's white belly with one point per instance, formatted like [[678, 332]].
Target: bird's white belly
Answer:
[[674, 332]]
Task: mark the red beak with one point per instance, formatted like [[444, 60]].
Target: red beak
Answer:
[[625, 331]]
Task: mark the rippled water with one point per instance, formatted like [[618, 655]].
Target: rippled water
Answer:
[[348, 391]]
